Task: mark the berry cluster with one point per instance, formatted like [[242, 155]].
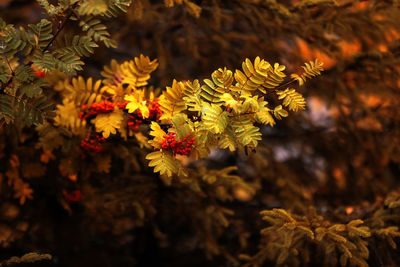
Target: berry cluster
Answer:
[[97, 108], [74, 196], [183, 147], [93, 145], [155, 111], [135, 120]]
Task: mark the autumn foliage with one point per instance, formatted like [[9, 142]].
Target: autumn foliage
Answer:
[[200, 133]]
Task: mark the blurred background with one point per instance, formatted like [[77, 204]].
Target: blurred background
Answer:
[[340, 156]]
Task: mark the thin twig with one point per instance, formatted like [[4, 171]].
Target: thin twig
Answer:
[[286, 84], [9, 65], [60, 28]]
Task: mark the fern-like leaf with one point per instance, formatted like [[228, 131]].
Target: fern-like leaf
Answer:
[[80, 91], [214, 118], [67, 63], [275, 76], [211, 93], [253, 75], [228, 139], [42, 33], [223, 78], [92, 7], [247, 133], [171, 101], [79, 45], [264, 116], [279, 112], [137, 72], [181, 127], [163, 162], [136, 101], [192, 99], [134, 73], [96, 30], [292, 99], [10, 40], [30, 110], [117, 6], [311, 69], [157, 133]]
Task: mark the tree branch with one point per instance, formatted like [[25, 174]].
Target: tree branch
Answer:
[[59, 29]]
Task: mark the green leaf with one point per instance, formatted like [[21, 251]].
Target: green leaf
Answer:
[[97, 31], [80, 45], [117, 6], [42, 32], [10, 40]]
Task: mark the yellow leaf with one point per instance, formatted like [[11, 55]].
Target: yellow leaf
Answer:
[[163, 162], [67, 113], [230, 101], [279, 112], [172, 101], [181, 127], [137, 101], [264, 116], [193, 9], [133, 104], [108, 123], [158, 134], [142, 140]]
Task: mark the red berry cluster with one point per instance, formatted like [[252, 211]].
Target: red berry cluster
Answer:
[[74, 196], [183, 147], [155, 111], [122, 105], [96, 108], [135, 120], [93, 145]]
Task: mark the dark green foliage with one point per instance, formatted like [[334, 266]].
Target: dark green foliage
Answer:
[[96, 30], [36, 46], [30, 110]]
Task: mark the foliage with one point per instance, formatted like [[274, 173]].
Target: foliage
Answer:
[[325, 178], [294, 240], [226, 108], [27, 258], [27, 53]]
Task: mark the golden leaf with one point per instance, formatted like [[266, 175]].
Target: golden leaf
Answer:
[[108, 123]]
